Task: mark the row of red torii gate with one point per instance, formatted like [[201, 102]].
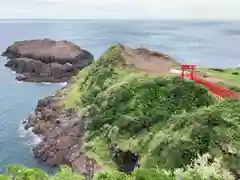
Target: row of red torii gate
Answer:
[[219, 91]]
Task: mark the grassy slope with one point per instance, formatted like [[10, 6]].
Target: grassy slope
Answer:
[[230, 77], [165, 119]]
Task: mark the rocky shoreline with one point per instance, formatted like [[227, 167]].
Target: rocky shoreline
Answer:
[[61, 130], [62, 134]]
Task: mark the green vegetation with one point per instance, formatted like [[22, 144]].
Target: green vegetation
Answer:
[[123, 105], [21, 173], [214, 129], [217, 69], [166, 120], [235, 73], [200, 169], [231, 87], [175, 126], [230, 76]]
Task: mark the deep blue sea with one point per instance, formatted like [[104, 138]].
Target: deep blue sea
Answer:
[[206, 44]]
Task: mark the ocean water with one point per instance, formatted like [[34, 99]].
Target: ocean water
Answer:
[[206, 44]]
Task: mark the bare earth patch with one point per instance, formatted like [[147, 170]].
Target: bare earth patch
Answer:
[[150, 61]]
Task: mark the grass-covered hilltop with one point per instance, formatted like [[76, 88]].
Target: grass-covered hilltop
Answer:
[[144, 123]]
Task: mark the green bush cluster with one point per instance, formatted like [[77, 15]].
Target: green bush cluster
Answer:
[[142, 101], [217, 69], [131, 100], [200, 169], [17, 172], [235, 73], [214, 129], [168, 121]]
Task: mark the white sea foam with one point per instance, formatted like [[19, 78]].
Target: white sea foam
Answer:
[[29, 136], [63, 84], [46, 83]]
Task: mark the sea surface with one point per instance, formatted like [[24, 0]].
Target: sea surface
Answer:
[[206, 44]]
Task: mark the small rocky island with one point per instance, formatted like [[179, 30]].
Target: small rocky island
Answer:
[[46, 60]]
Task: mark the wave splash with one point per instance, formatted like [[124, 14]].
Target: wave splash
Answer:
[[31, 138]]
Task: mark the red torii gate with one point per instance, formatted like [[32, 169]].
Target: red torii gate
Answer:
[[219, 91], [189, 67]]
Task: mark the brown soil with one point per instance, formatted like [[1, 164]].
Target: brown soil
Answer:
[[150, 61]]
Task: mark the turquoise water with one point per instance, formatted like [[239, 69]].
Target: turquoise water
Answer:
[[209, 44]]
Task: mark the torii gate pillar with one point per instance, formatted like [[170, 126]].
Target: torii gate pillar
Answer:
[[189, 67]]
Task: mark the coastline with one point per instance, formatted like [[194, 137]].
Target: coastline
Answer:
[[62, 135]]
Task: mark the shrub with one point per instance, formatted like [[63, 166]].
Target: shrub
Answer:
[[235, 73], [217, 69], [18, 172], [213, 130], [201, 169]]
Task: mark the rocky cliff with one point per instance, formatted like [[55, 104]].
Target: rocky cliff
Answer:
[[45, 60]]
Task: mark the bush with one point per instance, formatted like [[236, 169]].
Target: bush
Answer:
[[18, 172], [217, 69], [201, 169], [235, 73], [213, 130], [113, 175]]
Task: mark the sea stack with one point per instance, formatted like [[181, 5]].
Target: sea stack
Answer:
[[46, 60]]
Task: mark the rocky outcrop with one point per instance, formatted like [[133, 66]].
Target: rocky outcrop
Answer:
[[62, 133], [46, 60]]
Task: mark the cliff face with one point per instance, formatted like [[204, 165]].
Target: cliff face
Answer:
[[127, 109]]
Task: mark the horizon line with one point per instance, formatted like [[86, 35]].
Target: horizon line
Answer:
[[147, 19]]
